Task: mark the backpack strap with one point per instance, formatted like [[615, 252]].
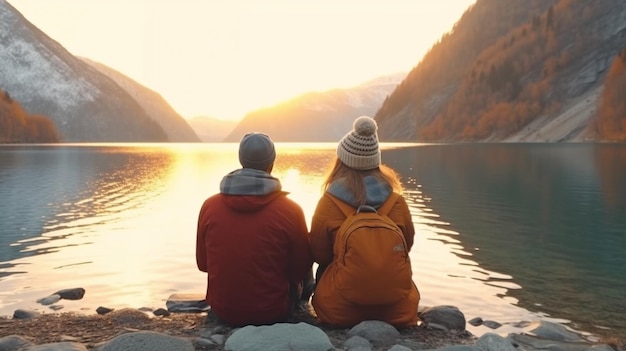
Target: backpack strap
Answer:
[[344, 207], [348, 209], [388, 204]]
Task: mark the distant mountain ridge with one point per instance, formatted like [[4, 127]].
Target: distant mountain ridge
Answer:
[[511, 70], [84, 104], [211, 129], [318, 116]]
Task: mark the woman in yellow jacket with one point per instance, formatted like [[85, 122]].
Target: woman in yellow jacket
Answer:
[[358, 178]]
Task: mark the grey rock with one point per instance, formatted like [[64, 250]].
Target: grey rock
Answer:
[[220, 329], [204, 333], [360, 348], [552, 331], [449, 316], [204, 343], [218, 338], [25, 314], [162, 312], [357, 341], [103, 310], [475, 321], [49, 300], [399, 348], [59, 346], [377, 332], [492, 324], [279, 337], [147, 341], [71, 294], [437, 326], [521, 324], [192, 303], [13, 343], [529, 342], [494, 342]]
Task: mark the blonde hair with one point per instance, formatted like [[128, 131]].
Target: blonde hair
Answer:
[[353, 178]]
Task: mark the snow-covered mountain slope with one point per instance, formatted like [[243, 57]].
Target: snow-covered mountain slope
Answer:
[[84, 104]]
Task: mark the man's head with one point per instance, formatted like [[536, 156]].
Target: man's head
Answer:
[[256, 150]]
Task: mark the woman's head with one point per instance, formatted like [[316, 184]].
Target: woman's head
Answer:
[[358, 156], [359, 148]]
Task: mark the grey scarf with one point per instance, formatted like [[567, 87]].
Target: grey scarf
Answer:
[[249, 181]]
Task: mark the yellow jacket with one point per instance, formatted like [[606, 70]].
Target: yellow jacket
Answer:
[[331, 307]]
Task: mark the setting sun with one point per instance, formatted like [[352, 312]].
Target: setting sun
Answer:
[[224, 59]]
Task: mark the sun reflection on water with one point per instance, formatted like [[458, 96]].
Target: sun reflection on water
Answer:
[[120, 221]]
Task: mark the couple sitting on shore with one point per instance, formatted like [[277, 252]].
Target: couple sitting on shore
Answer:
[[254, 245]]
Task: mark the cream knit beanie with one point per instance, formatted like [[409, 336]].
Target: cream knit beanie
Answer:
[[359, 148]]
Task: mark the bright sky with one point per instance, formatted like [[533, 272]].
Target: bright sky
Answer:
[[224, 58]]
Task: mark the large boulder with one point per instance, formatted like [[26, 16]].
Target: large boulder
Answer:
[[279, 337]]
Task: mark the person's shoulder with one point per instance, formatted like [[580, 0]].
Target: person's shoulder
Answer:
[[213, 199], [285, 201], [400, 204]]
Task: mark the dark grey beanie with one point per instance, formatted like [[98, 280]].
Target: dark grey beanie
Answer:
[[256, 150]]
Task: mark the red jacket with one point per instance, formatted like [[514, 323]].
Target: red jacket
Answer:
[[252, 247]]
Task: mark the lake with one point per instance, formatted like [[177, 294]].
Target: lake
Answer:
[[505, 232]]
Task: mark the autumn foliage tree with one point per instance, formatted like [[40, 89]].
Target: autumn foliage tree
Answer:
[[610, 123], [419, 97], [511, 83], [16, 126]]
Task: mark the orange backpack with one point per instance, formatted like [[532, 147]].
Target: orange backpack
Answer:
[[371, 254]]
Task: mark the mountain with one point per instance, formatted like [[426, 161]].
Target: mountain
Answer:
[[84, 104], [511, 70], [211, 129], [318, 116], [175, 127]]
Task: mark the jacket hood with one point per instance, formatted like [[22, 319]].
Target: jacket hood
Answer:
[[376, 191], [248, 190]]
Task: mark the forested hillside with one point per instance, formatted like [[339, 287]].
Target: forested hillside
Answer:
[[506, 64], [610, 123], [16, 126]]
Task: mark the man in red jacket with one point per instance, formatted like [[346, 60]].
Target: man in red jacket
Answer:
[[253, 242]]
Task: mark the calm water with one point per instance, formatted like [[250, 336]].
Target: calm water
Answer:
[[506, 232]]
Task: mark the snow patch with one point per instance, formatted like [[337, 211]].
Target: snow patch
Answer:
[[32, 71]]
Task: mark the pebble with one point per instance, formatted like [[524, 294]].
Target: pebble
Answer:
[[366, 336]]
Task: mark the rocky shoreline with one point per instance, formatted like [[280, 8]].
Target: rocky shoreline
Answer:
[[186, 324]]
